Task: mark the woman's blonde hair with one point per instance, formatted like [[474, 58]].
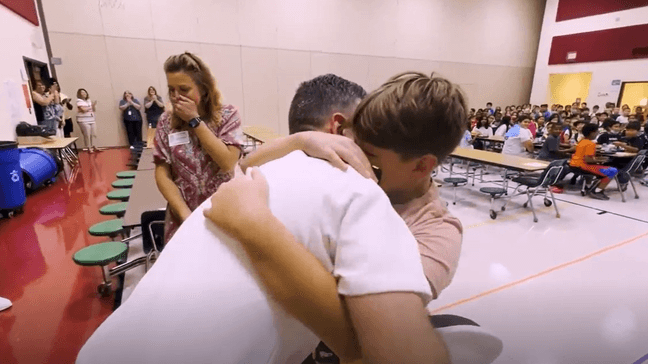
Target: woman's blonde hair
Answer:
[[210, 97]]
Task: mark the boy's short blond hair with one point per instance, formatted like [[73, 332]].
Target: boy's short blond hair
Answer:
[[413, 114]]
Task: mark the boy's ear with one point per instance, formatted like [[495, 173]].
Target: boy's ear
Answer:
[[426, 164], [336, 123]]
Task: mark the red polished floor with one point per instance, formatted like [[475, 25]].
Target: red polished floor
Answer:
[[55, 304]]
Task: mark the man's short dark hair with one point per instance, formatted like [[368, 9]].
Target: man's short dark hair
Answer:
[[608, 123], [316, 99], [634, 125], [489, 103], [522, 117], [589, 128], [413, 114]]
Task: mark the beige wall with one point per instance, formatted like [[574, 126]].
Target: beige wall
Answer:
[[18, 38], [603, 73], [260, 50]]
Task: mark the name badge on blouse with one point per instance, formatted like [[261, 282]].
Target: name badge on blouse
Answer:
[[179, 138]]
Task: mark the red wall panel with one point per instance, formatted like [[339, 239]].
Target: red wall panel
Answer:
[[24, 8], [603, 45], [573, 9]]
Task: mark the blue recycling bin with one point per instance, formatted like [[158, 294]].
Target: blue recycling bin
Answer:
[[12, 186], [38, 166]]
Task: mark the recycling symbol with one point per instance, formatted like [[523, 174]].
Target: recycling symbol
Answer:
[[14, 176]]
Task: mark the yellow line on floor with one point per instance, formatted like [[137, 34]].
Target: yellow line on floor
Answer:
[[540, 274]]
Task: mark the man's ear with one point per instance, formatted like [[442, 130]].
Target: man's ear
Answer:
[[426, 164], [336, 122]]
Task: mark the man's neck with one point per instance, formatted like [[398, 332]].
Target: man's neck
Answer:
[[403, 197]]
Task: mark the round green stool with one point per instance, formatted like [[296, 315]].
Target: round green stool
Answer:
[[123, 183], [101, 255], [107, 228], [118, 209], [120, 194], [126, 174]]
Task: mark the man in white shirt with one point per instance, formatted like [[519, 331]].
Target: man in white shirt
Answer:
[[203, 303], [519, 140]]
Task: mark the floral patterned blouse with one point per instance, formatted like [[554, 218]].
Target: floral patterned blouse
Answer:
[[192, 169]]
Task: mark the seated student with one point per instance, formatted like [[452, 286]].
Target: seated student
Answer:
[[473, 121], [566, 133], [542, 126], [611, 133], [489, 108], [577, 134], [504, 126], [615, 113], [467, 139], [544, 112], [489, 121], [482, 128], [519, 140], [202, 301], [585, 158], [595, 111], [551, 149], [602, 117], [533, 127], [633, 142], [624, 117], [404, 176]]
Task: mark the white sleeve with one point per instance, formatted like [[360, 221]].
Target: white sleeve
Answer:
[[525, 135], [501, 130], [489, 132], [376, 252]]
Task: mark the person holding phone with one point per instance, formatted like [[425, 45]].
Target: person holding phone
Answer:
[[65, 123], [44, 100], [197, 143]]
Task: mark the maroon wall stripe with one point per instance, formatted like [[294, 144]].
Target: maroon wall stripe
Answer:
[[24, 8], [603, 45], [573, 9]]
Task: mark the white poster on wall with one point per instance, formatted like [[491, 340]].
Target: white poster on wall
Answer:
[[13, 98], [615, 87]]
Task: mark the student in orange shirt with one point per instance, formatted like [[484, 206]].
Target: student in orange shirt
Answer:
[[585, 158]]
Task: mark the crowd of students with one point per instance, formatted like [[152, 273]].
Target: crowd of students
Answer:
[[571, 132]]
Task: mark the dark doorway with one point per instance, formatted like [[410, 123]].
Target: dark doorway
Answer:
[[36, 71]]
